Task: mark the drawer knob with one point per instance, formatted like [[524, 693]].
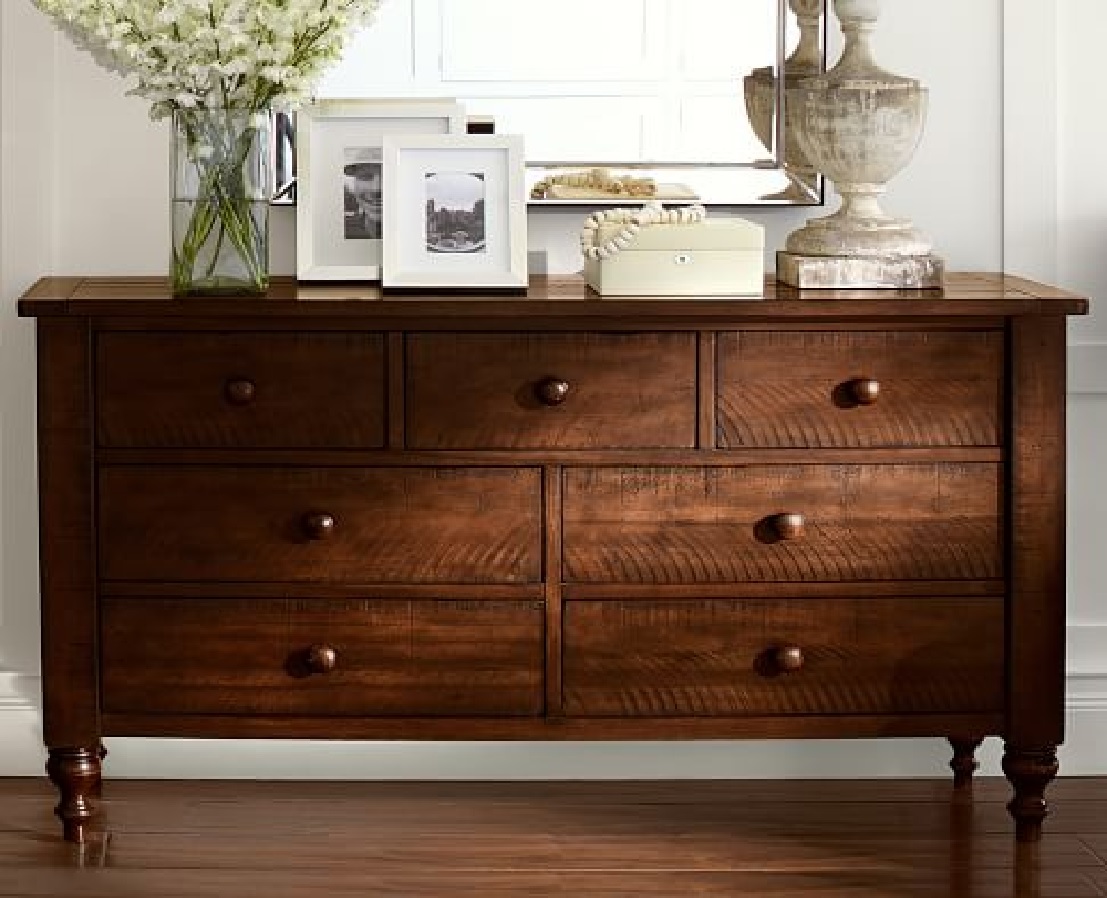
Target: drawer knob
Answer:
[[241, 391], [552, 390], [319, 525], [321, 659], [864, 390], [788, 658], [790, 525]]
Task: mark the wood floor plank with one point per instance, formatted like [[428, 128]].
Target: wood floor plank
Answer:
[[774, 839], [883, 820], [510, 884], [1097, 844], [985, 789], [475, 848], [1098, 878]]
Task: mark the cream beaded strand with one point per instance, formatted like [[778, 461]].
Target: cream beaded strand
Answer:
[[633, 220], [597, 181]]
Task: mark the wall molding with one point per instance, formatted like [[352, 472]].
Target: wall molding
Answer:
[[1092, 699], [17, 692], [21, 751]]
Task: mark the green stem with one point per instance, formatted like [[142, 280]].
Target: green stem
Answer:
[[215, 252], [223, 199]]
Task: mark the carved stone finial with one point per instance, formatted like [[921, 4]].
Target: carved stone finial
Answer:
[[859, 125]]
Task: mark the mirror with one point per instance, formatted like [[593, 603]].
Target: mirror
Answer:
[[624, 100]]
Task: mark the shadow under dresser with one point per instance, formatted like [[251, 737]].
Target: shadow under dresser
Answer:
[[328, 513]]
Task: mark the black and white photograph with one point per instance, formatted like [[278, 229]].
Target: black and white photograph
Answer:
[[361, 185], [455, 212], [284, 159], [339, 179]]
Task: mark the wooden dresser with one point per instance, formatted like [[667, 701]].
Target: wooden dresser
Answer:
[[332, 514]]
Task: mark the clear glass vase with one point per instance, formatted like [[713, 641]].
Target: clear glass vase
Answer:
[[221, 189]]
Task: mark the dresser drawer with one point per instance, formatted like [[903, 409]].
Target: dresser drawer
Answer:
[[859, 389], [782, 523], [539, 391], [327, 658], [340, 525], [251, 390], [789, 656]]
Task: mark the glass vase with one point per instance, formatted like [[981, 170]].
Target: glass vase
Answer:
[[220, 202]]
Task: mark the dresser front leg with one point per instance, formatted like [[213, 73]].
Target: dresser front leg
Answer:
[[1029, 771], [964, 763], [76, 773]]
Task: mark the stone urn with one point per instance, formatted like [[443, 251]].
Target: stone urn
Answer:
[[760, 87], [859, 125]]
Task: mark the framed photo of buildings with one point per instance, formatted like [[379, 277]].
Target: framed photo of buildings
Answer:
[[455, 212], [340, 179]]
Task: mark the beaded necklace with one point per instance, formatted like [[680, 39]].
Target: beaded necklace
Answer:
[[633, 220]]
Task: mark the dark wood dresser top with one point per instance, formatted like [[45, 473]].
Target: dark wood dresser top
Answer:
[[562, 301]]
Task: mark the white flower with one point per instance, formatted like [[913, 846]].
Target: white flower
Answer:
[[184, 54]]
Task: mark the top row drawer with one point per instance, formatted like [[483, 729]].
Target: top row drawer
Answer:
[[249, 390], [866, 389], [549, 391]]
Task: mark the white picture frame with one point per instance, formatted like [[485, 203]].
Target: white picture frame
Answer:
[[339, 219], [473, 183]]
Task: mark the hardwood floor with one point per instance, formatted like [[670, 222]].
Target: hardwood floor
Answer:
[[387, 840]]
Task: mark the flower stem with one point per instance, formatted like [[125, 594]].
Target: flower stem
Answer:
[[216, 149]]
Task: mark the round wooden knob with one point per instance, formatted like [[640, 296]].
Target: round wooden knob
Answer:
[[319, 525], [552, 390], [864, 390], [788, 658], [241, 391], [789, 525], [321, 659]]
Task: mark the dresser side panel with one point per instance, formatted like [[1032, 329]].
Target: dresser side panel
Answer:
[[1036, 532], [66, 555]]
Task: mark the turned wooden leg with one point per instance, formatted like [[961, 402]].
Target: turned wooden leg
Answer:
[[1029, 771], [964, 763], [76, 773]]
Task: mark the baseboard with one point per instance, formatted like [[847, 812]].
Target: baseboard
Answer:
[[1088, 369], [21, 752], [1087, 652]]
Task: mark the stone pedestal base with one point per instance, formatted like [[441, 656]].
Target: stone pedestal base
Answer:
[[859, 272]]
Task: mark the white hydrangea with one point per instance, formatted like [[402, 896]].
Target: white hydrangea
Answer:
[[249, 54]]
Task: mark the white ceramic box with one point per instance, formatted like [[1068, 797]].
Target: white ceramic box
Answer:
[[716, 257]]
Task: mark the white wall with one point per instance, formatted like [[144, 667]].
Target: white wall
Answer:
[[1081, 239], [26, 239], [1056, 229], [1081, 190], [86, 191]]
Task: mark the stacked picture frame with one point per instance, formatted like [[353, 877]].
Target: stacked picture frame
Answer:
[[397, 192]]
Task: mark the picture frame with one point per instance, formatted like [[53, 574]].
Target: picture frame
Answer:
[[339, 179], [455, 212], [282, 163]]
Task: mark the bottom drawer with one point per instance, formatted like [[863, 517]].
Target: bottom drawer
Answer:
[[783, 656], [322, 658]]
